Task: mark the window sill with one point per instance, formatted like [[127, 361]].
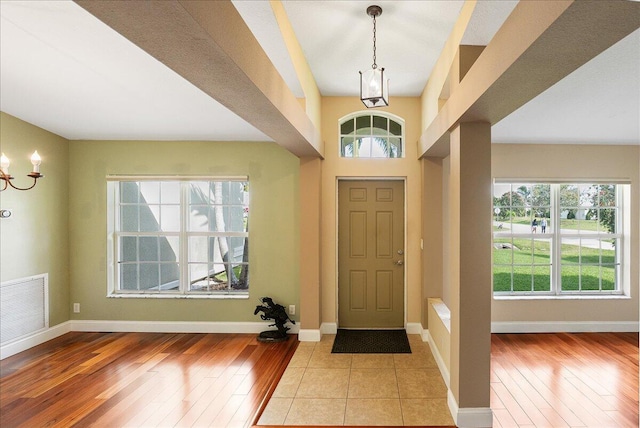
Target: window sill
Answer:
[[177, 296], [563, 297]]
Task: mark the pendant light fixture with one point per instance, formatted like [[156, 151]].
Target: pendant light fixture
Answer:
[[374, 89]]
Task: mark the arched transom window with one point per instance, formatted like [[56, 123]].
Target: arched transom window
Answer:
[[371, 135]]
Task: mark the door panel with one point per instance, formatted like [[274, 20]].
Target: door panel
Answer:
[[370, 254], [358, 290], [358, 234]]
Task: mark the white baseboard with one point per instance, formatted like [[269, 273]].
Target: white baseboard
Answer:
[[444, 371], [413, 328], [174, 326], [426, 337], [135, 326], [328, 328], [35, 339], [309, 335], [564, 327], [304, 335], [332, 328], [477, 417]]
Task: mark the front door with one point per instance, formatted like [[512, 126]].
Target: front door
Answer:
[[371, 254]]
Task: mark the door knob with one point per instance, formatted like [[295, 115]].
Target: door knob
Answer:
[[399, 263]]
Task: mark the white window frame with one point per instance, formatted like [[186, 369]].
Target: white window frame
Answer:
[[556, 235], [113, 232], [354, 117]]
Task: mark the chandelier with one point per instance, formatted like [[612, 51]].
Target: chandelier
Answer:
[[6, 177], [374, 89]]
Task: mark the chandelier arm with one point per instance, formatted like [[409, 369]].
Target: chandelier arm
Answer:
[[7, 181]]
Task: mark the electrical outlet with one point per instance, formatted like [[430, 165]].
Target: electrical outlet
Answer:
[[292, 309], [76, 308]]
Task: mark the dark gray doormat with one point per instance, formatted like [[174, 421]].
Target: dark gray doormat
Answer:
[[371, 342]]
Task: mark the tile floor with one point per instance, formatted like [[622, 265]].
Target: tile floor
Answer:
[[321, 388]]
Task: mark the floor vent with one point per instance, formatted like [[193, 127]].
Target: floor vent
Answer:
[[24, 307]]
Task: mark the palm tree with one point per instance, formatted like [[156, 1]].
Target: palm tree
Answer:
[[201, 199], [223, 245]]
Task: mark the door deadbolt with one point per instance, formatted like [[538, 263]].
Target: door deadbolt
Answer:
[[400, 252]]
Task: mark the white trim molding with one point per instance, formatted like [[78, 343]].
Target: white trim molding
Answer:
[[332, 328], [444, 371], [564, 326], [40, 337], [309, 335], [426, 337], [469, 417], [35, 339], [413, 328], [328, 328], [173, 326]]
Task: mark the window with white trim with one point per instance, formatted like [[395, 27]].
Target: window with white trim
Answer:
[[178, 237], [371, 135], [557, 239]]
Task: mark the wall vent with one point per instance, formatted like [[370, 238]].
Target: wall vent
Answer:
[[24, 307]]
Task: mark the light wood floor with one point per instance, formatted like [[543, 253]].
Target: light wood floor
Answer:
[[148, 379]]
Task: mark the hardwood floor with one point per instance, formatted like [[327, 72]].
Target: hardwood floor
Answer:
[[153, 379], [565, 380], [141, 379]]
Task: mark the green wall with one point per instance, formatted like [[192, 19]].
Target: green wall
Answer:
[[273, 234], [34, 240]]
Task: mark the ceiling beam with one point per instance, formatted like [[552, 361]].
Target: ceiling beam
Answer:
[[209, 45], [539, 44]]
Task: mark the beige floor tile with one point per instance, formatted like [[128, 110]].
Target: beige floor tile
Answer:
[[379, 411], [289, 382], [316, 411], [372, 361], [322, 359], [421, 383], [324, 383], [426, 411], [324, 347], [415, 338], [373, 383], [420, 347], [276, 411], [301, 357], [327, 339], [320, 383], [418, 359]]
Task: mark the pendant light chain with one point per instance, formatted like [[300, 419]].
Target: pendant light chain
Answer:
[[374, 66]]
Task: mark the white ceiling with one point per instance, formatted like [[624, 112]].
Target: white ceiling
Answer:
[[67, 72], [599, 103], [336, 37]]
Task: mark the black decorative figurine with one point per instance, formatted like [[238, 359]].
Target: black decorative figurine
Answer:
[[277, 313]]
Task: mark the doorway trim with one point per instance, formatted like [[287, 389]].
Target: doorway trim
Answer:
[[403, 179]]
